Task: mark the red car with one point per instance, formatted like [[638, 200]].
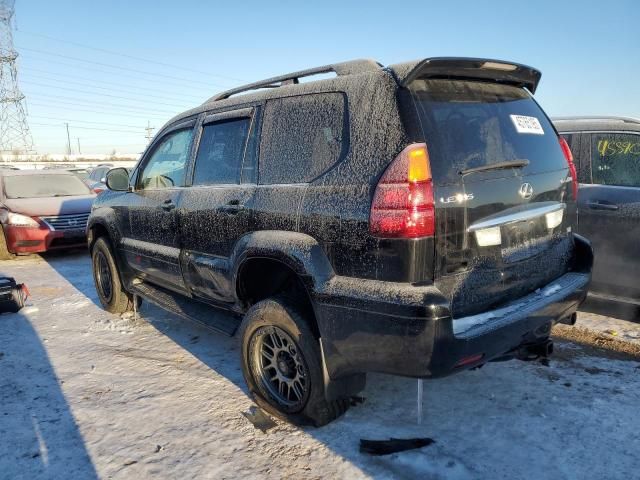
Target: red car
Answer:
[[42, 210]]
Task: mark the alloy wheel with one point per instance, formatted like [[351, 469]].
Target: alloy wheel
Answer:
[[278, 364]]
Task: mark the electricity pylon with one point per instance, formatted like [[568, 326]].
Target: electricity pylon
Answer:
[[14, 129]]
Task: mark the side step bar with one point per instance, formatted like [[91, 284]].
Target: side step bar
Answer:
[[194, 310]]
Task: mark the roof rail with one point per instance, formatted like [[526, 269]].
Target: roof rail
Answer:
[[600, 117], [345, 68]]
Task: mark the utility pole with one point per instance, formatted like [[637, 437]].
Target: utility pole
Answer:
[[68, 140], [149, 130], [78, 139], [14, 129]]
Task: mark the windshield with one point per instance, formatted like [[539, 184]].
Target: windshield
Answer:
[[471, 124], [39, 186]]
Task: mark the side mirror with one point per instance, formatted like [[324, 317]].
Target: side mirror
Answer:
[[118, 179]]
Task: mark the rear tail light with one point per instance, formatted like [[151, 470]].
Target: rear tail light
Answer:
[[403, 205], [98, 190], [572, 167]]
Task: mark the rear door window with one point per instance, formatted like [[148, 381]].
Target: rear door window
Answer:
[[469, 124], [615, 159], [221, 152], [302, 137]]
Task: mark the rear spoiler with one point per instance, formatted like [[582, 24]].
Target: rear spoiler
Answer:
[[471, 68]]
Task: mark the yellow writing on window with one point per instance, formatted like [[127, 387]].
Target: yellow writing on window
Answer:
[[608, 147]]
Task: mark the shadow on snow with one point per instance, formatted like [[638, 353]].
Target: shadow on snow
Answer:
[[39, 436]]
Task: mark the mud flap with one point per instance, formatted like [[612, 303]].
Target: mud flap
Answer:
[[343, 387]]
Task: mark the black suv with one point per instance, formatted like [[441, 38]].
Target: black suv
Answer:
[[412, 220], [607, 158]]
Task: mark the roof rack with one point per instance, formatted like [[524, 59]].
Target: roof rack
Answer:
[[600, 117], [344, 68]]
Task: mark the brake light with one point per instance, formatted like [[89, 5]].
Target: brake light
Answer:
[[403, 205], [98, 190], [572, 166]]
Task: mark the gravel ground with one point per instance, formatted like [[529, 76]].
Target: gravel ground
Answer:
[[86, 394]]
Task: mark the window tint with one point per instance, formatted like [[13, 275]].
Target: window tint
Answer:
[[615, 159], [302, 137], [221, 152], [470, 124], [165, 168]]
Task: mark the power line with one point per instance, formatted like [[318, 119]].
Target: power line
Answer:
[[178, 85], [118, 67], [141, 132], [133, 57], [118, 113], [88, 103], [87, 121], [101, 94], [140, 146], [118, 86], [14, 129]]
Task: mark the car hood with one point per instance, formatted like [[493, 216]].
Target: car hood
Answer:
[[35, 207]]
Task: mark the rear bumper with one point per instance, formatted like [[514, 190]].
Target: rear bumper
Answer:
[[400, 329], [35, 240]]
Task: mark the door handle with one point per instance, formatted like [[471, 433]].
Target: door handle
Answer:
[[597, 205], [168, 205], [233, 207]]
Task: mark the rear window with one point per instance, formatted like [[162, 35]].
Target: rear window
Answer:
[[469, 124], [302, 137], [40, 186]]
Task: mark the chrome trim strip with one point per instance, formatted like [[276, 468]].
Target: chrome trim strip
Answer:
[[516, 217]]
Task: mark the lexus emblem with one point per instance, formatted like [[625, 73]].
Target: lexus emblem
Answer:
[[526, 191]]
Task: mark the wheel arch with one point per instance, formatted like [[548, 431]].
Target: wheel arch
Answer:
[[100, 227], [269, 263]]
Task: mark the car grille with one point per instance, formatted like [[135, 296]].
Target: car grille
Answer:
[[67, 222]]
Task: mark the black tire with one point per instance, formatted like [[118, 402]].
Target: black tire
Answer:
[[106, 278], [5, 254], [299, 352]]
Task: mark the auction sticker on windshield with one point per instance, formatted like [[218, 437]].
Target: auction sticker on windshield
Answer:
[[525, 124]]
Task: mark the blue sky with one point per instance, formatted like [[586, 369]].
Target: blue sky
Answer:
[[77, 60]]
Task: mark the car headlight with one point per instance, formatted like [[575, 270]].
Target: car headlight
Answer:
[[17, 220]]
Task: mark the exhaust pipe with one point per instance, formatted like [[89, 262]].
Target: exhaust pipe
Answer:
[[534, 351], [571, 320]]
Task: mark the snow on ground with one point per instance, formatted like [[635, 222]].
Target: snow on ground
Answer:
[[86, 394]]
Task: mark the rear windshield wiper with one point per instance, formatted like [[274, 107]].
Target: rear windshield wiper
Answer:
[[496, 166]]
